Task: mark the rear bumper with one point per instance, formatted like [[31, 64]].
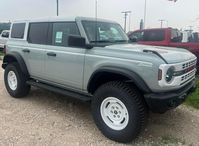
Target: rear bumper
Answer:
[[161, 102]]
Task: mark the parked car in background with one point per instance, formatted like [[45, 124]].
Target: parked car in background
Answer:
[[4, 38], [167, 37]]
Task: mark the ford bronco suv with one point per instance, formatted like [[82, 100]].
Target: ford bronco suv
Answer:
[[91, 60]]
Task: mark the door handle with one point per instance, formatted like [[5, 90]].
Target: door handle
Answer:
[[26, 51], [51, 54]]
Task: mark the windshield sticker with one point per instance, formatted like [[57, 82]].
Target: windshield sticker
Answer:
[[58, 38]]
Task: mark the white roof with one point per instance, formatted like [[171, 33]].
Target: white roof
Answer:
[[58, 18]]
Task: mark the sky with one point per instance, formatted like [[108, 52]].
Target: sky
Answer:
[[180, 14]]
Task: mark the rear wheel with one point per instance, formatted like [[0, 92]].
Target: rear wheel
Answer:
[[15, 81], [119, 111]]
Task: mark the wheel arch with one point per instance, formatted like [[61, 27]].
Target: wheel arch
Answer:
[[106, 74], [15, 57]]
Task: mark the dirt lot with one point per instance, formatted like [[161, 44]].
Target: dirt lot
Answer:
[[48, 119]]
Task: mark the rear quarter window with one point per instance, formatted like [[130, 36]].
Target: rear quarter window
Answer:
[[154, 35], [18, 30]]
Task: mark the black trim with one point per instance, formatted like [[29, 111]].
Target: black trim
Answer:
[[79, 96], [132, 76], [161, 102], [18, 58]]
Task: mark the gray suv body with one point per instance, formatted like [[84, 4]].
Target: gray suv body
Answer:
[[91, 59]]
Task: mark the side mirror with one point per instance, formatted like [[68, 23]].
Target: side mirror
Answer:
[[76, 41]]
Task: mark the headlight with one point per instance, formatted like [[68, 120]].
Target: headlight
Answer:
[[169, 74]]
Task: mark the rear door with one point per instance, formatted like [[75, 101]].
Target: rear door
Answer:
[[64, 64], [35, 50]]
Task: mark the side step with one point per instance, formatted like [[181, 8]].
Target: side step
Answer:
[[68, 93]]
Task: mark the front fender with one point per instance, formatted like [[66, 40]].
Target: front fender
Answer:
[[132, 76]]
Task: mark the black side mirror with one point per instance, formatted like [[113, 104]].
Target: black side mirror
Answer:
[[76, 41]]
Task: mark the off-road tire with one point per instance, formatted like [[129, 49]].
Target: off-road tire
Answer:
[[22, 88], [136, 107]]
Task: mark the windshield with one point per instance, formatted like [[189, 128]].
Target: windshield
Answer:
[[104, 32]]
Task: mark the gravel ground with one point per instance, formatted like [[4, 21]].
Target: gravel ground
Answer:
[[48, 119]]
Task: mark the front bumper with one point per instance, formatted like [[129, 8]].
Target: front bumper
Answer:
[[161, 102]]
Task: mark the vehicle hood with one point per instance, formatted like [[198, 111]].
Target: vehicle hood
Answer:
[[170, 54]]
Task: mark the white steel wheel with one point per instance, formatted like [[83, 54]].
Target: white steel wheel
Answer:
[[114, 113], [12, 80]]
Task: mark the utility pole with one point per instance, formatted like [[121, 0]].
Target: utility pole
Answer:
[[57, 7], [130, 22], [125, 17], [161, 22], [190, 28], [145, 5]]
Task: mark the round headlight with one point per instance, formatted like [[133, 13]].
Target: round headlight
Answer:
[[169, 74]]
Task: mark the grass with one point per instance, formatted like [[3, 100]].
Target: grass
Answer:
[[193, 99]]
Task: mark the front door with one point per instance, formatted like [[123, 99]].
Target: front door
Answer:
[[63, 64]]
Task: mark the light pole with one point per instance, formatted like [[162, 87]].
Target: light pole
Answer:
[[57, 7], [96, 9], [125, 16], [145, 5]]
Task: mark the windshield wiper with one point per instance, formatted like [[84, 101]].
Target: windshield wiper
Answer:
[[108, 41]]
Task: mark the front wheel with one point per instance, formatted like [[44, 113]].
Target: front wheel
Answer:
[[119, 111], [15, 81]]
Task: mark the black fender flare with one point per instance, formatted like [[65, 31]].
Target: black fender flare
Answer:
[[15, 57], [132, 76]]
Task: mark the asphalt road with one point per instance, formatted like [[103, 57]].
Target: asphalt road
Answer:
[[47, 119]]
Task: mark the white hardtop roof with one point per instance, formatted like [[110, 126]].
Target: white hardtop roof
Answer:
[[58, 18]]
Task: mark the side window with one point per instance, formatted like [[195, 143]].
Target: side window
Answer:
[[61, 31], [137, 36], [38, 33], [154, 35], [18, 30]]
